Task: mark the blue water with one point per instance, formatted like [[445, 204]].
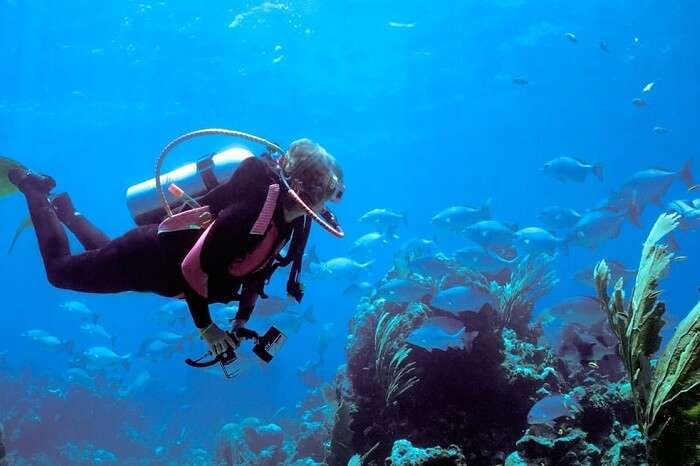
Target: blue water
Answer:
[[422, 116]]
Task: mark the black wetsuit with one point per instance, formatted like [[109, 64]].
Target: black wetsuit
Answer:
[[143, 260]]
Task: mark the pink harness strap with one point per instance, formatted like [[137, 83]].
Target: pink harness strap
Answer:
[[192, 267], [258, 257], [187, 220], [267, 211]]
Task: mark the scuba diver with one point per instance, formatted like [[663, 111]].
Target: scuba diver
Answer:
[[249, 219]]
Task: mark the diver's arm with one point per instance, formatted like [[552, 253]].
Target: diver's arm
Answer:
[[249, 297], [199, 310]]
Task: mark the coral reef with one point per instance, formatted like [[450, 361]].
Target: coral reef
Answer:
[[666, 394], [3, 451], [404, 453], [250, 442]]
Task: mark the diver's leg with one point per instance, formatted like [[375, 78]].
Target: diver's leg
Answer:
[[87, 233], [53, 242]]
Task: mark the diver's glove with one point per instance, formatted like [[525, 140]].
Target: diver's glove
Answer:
[[217, 339]]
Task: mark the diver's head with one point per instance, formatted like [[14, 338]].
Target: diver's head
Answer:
[[313, 174]]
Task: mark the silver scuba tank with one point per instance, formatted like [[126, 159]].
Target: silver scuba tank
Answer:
[[196, 179]]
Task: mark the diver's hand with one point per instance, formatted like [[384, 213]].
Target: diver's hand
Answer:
[[217, 339]]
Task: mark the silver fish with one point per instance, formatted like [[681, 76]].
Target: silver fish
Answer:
[[572, 169], [80, 310], [481, 260], [441, 333], [401, 290], [647, 187], [342, 268], [491, 234], [369, 243], [585, 310], [533, 240], [99, 358], [553, 407], [559, 218], [458, 218], [595, 228], [462, 298]]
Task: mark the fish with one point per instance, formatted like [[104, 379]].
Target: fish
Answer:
[[97, 330], [581, 345], [384, 219], [54, 344], [533, 240], [689, 212], [491, 234], [402, 290], [342, 268], [369, 243], [100, 358], [325, 336], [395, 24], [661, 130], [171, 314], [639, 102], [520, 81], [418, 247], [559, 218], [647, 187], [459, 218], [603, 46], [572, 169], [154, 349], [271, 306], [648, 87], [139, 382], [358, 289], [481, 260], [310, 374], [172, 338], [442, 333], [35, 334], [595, 228], [435, 266], [553, 407], [292, 321], [80, 310], [78, 376], [617, 270], [584, 310], [571, 37], [462, 298]]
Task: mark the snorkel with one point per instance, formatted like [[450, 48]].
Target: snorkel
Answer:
[[325, 218]]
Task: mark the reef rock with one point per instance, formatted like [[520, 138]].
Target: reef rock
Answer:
[[542, 445], [250, 443], [405, 454], [3, 451]]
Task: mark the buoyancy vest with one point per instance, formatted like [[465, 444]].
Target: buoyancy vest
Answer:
[[264, 258]]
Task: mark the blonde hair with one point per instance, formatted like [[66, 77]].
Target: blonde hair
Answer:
[[312, 171]]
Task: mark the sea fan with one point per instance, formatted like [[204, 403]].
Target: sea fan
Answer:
[[532, 278], [394, 372], [667, 395]]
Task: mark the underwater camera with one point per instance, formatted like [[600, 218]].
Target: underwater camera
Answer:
[[265, 348]]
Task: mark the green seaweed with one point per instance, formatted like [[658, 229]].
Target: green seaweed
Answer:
[[7, 164], [666, 394]]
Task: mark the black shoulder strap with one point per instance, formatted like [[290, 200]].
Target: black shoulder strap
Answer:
[[295, 254]]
